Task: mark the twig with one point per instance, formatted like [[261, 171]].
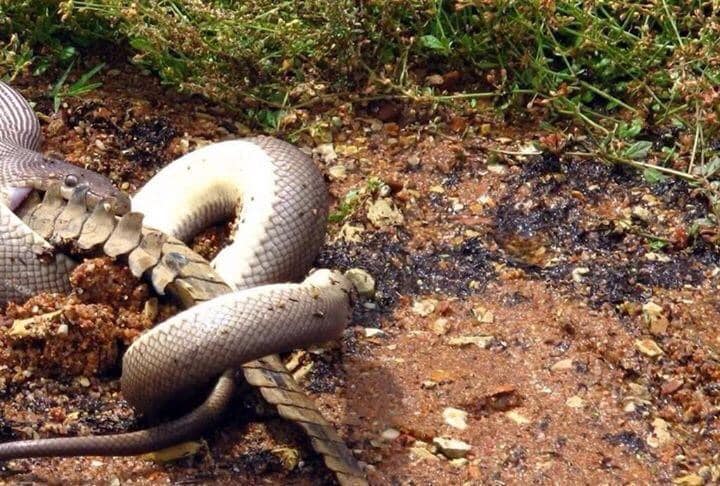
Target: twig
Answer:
[[636, 164], [361, 99], [584, 118], [696, 139], [607, 96], [511, 152]]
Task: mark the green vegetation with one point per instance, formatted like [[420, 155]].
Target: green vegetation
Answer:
[[621, 70], [78, 88], [354, 200]]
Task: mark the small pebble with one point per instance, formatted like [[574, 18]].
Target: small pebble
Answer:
[[425, 307], [497, 169], [517, 417], [421, 453], [440, 326], [362, 280], [390, 434], [289, 457], [452, 448], [641, 213], [655, 318], [639, 391], [483, 315], [578, 272], [461, 462], [575, 402], [657, 257], [383, 213], [660, 435], [413, 160], [562, 365], [337, 172], [482, 342], [434, 80], [689, 480], [350, 233], [150, 309], [428, 447], [648, 347], [455, 417], [326, 152], [384, 190], [371, 332], [670, 387]]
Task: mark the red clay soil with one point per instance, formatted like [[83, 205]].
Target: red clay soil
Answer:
[[565, 308]]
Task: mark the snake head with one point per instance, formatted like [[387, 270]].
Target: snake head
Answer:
[[324, 278], [100, 188]]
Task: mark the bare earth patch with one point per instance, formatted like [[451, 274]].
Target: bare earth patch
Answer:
[[563, 307]]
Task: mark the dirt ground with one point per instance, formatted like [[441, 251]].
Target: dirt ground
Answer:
[[555, 315]]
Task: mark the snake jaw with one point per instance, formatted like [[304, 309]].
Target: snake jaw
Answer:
[[117, 203], [15, 196], [40, 172]]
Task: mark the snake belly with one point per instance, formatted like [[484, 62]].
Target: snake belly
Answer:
[[151, 374], [281, 205], [280, 202]]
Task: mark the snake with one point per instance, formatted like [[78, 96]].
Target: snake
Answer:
[[256, 298]]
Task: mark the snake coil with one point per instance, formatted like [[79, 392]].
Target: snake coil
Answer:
[[239, 311]]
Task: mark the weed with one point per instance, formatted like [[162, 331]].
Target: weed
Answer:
[[346, 208], [355, 199], [80, 87], [617, 69], [588, 61]]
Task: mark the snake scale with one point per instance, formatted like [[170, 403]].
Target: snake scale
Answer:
[[238, 309]]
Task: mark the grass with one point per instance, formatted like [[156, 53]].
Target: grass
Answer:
[[623, 72], [80, 87]]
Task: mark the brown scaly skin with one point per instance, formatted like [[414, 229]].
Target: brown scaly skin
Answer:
[[175, 269]]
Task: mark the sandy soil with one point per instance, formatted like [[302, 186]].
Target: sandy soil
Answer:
[[565, 308]]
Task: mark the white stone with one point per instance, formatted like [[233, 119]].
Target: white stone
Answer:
[[455, 417], [452, 448]]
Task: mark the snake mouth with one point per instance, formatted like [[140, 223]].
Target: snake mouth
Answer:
[[119, 203], [16, 196]]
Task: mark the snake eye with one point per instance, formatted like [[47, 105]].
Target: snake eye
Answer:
[[71, 180]]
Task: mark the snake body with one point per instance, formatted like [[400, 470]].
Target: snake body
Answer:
[[23, 168], [280, 227]]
